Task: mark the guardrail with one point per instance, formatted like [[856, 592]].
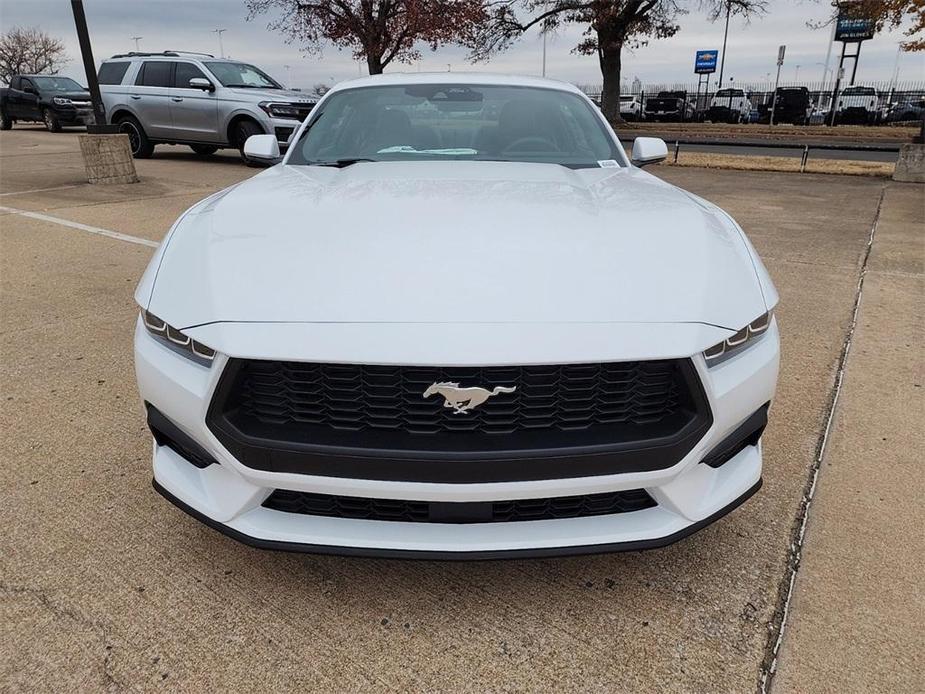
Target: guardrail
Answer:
[[804, 148]]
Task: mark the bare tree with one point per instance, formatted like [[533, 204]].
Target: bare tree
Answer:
[[379, 31], [30, 51], [610, 25]]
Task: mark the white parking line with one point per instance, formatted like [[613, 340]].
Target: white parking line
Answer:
[[37, 190], [82, 227]]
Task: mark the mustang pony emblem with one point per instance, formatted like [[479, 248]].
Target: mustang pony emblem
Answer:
[[464, 399]]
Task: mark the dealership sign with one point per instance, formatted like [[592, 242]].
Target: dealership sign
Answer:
[[705, 62], [854, 29]]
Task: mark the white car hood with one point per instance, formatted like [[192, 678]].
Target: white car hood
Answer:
[[455, 242]]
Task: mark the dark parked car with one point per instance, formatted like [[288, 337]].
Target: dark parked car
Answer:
[[907, 110], [54, 101], [669, 106], [792, 105]]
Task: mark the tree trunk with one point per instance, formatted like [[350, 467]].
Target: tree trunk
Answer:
[[610, 56], [374, 63]]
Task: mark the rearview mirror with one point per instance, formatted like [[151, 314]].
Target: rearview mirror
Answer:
[[201, 83], [262, 149], [649, 150]]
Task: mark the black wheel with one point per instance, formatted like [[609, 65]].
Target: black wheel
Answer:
[[242, 131], [51, 121], [204, 150], [5, 122], [142, 148]]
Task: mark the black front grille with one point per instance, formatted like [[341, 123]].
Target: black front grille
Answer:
[[477, 512], [303, 110], [356, 398], [367, 422]]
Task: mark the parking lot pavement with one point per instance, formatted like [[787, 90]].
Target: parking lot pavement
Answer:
[[858, 600], [104, 585]]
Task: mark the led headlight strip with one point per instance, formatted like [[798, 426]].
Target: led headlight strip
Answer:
[[176, 339], [742, 339], [279, 109]]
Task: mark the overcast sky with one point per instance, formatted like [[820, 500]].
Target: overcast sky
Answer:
[[189, 25]]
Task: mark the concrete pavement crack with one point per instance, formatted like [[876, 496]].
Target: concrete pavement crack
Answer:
[[58, 610], [778, 624]]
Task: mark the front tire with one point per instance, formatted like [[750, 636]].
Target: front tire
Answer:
[[52, 124], [6, 123], [242, 131], [203, 150], [142, 148]]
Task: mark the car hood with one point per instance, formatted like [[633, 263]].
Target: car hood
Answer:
[[455, 242], [274, 95]]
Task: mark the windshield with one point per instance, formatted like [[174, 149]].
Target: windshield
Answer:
[[869, 91], [57, 84], [241, 75], [455, 122], [730, 92]]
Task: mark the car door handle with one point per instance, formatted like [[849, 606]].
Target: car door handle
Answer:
[[177, 99], [135, 96]]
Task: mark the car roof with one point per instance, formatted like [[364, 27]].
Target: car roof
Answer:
[[480, 78], [167, 55]]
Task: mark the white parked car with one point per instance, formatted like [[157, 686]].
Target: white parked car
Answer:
[[857, 104], [630, 107], [456, 321], [729, 106]]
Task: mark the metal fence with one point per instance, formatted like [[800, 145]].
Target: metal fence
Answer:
[[894, 101]]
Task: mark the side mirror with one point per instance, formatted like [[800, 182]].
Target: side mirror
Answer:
[[201, 83], [649, 150], [28, 90], [262, 149]]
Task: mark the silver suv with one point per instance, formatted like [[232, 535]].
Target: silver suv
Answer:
[[198, 100]]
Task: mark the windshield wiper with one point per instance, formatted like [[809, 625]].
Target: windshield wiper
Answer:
[[340, 163]]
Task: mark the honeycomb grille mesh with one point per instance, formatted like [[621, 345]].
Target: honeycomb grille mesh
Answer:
[[355, 398]]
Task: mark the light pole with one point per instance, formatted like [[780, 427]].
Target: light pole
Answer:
[[825, 82], [221, 48], [796, 74], [288, 77], [895, 76], [136, 39], [722, 58]]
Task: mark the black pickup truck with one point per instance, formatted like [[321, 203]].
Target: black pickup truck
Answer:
[[54, 101], [669, 106], [792, 105]]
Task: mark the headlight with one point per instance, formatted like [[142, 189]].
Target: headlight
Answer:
[[176, 340], [61, 101], [277, 110], [738, 342]]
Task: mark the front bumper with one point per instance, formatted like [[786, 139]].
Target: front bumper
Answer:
[[229, 496], [856, 115], [283, 128], [71, 115]]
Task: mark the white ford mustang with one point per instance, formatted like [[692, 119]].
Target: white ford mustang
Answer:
[[456, 321]]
